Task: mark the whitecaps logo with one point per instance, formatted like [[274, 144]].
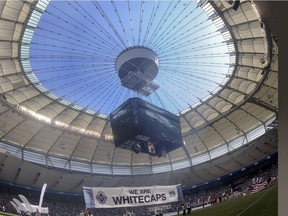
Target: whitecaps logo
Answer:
[[172, 193], [101, 197]]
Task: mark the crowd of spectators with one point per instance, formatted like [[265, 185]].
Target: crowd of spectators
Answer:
[[63, 205], [240, 187]]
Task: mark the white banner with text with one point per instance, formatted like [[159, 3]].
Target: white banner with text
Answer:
[[114, 197]]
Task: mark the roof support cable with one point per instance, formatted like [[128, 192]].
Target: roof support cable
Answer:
[[96, 90], [160, 23], [131, 22], [121, 23], [170, 99], [68, 33], [140, 21], [76, 49], [109, 96], [151, 21], [106, 95], [196, 48], [102, 29], [160, 100], [177, 28], [115, 98], [180, 43], [104, 15], [167, 19], [72, 93], [184, 84], [189, 76]]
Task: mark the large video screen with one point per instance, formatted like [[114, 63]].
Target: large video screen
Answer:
[[123, 124], [150, 128]]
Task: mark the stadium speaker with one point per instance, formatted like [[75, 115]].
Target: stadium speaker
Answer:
[[236, 5]]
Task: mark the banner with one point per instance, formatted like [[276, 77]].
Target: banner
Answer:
[[114, 197]]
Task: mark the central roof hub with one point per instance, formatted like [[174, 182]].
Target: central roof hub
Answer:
[[137, 67]]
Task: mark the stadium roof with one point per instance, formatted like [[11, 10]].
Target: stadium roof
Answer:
[[218, 70]]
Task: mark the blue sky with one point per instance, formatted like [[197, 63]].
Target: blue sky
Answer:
[[75, 46]]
